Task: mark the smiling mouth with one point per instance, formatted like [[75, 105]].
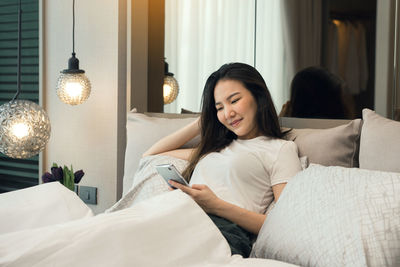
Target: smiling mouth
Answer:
[[235, 123]]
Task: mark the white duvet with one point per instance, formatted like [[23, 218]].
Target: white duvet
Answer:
[[167, 230]]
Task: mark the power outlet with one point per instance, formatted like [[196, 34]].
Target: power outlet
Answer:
[[88, 194]]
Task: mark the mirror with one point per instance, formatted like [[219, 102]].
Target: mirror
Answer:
[[279, 38]]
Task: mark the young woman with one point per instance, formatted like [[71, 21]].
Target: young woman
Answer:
[[241, 164]]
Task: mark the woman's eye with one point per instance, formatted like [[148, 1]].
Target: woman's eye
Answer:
[[236, 100], [219, 108]]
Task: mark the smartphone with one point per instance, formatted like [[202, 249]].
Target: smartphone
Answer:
[[169, 172]]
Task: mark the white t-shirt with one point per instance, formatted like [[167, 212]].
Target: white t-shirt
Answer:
[[244, 172]]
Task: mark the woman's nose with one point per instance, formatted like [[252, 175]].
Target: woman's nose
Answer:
[[229, 113]]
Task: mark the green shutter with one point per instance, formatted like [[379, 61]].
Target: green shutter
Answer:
[[16, 173]]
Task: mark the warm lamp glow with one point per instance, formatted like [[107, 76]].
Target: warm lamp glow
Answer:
[[25, 129], [170, 89], [167, 90], [336, 22], [20, 130], [73, 88]]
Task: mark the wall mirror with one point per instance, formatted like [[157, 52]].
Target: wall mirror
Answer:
[[279, 38]]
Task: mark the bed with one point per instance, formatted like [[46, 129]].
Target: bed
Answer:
[[343, 209]]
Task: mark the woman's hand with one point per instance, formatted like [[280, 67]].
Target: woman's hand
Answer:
[[210, 203], [202, 194]]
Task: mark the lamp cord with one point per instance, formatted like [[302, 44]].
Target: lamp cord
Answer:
[[73, 27], [19, 53]]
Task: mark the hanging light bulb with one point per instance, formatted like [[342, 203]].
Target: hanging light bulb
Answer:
[[25, 129], [170, 86], [24, 125], [73, 87]]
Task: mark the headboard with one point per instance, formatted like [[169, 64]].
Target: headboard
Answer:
[[327, 142]]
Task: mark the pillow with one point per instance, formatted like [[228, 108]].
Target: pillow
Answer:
[[336, 146], [335, 216], [147, 182], [142, 132], [380, 143], [40, 206]]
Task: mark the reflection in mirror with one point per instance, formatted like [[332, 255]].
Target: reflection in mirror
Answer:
[[339, 35], [200, 36]]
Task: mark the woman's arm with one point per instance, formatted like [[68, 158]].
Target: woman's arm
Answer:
[[169, 145], [249, 220]]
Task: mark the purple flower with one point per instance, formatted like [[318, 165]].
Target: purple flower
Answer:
[[57, 173], [48, 177], [78, 176]]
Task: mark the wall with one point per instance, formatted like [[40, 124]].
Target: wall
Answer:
[[384, 56], [90, 136]]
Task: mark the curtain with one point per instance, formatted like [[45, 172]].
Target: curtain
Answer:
[[301, 23], [202, 35], [347, 54], [270, 52]]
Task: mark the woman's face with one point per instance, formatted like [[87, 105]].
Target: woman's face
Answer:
[[236, 108]]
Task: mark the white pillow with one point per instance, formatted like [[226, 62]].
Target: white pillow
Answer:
[[380, 143], [142, 132], [335, 216], [40, 206]]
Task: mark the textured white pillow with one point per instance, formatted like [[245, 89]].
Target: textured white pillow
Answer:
[[380, 143], [335, 216], [142, 132], [40, 206]]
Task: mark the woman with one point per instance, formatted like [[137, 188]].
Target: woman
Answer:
[[241, 164]]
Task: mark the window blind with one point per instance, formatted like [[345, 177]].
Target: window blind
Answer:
[[19, 173]]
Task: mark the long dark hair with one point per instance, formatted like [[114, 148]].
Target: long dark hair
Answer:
[[318, 93], [214, 135]]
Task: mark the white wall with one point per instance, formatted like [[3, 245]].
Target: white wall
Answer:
[[89, 136]]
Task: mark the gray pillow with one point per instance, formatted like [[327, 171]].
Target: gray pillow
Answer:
[[380, 143], [338, 146]]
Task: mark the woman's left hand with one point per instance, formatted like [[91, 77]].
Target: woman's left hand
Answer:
[[202, 194]]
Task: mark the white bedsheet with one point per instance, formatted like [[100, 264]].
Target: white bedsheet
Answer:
[[167, 230], [38, 206], [149, 234]]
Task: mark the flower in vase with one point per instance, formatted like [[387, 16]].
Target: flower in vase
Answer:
[[64, 175]]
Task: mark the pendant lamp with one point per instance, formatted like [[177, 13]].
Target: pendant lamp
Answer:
[[24, 125], [170, 86], [73, 87]]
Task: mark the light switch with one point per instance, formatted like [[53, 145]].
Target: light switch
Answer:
[[88, 194]]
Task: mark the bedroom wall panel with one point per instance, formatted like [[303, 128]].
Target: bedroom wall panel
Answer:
[[88, 136]]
